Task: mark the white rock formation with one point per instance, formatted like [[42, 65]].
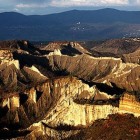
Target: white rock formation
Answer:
[[33, 68], [56, 52]]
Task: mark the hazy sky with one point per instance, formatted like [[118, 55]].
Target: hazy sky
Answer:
[[52, 6]]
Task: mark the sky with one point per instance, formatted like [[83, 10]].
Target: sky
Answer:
[[42, 7]]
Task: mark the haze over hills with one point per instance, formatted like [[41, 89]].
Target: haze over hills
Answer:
[[71, 25]]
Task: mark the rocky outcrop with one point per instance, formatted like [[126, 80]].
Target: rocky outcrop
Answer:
[[132, 57], [6, 55], [51, 106], [23, 46], [107, 70], [56, 52], [129, 104], [12, 102], [14, 79], [68, 48], [101, 70], [116, 47], [79, 116], [56, 95]]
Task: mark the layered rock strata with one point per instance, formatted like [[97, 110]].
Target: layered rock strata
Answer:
[[51, 106], [57, 95]]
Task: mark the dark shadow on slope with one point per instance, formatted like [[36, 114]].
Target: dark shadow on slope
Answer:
[[40, 62], [3, 111], [8, 134], [29, 60], [69, 50], [108, 89], [23, 98], [111, 90], [38, 95]]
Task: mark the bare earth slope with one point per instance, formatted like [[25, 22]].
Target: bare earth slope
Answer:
[[59, 90]]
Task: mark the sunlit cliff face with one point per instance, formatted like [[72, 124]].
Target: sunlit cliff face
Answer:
[[48, 93]]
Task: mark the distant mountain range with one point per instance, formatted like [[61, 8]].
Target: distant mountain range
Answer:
[[71, 25]]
